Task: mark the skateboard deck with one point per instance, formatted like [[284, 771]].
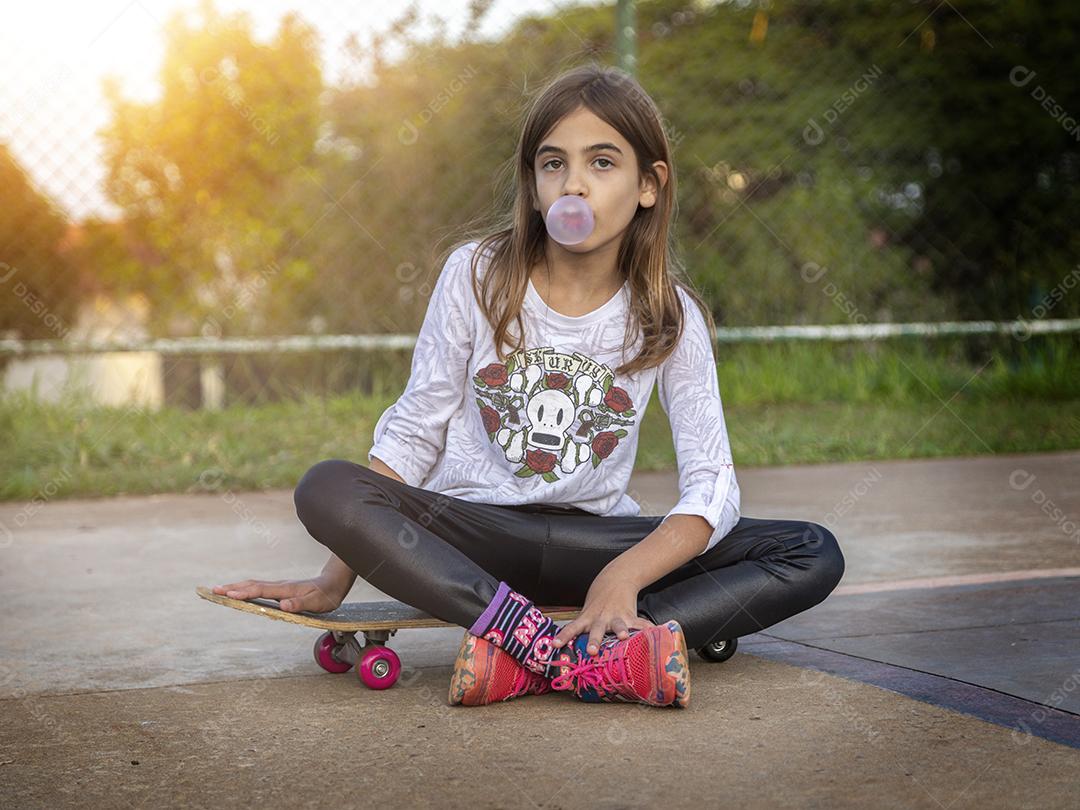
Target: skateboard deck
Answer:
[[355, 616], [337, 649]]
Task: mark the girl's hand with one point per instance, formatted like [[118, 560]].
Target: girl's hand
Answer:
[[316, 595], [611, 604]]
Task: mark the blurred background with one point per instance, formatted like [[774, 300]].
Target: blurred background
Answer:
[[220, 220]]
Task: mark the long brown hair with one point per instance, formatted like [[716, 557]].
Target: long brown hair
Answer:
[[513, 234]]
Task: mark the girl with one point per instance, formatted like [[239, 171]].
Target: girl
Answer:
[[497, 481]]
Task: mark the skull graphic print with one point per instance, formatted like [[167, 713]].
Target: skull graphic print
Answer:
[[551, 412]]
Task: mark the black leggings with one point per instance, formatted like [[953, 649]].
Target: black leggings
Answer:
[[446, 556]]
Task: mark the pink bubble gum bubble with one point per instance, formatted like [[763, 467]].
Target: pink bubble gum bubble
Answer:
[[570, 220]]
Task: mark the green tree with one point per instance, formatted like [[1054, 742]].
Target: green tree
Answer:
[[213, 176], [1001, 162], [40, 288]]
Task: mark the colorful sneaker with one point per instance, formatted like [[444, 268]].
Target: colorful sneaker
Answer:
[[650, 666], [484, 673]]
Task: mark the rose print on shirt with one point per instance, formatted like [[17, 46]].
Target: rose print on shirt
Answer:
[[552, 412]]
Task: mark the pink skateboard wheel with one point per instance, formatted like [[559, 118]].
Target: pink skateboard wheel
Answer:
[[324, 647], [378, 667]]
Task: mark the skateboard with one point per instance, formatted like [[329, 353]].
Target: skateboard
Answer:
[[338, 650], [377, 666]]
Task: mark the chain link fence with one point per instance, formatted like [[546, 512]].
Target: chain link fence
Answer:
[[837, 164]]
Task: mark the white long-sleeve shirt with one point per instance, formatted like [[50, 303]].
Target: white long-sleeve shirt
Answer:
[[553, 423]]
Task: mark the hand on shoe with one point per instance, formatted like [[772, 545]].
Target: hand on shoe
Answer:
[[610, 605]]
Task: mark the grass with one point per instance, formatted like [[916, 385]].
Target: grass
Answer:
[[785, 403]]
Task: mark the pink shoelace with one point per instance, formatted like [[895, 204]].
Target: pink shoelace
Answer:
[[604, 672]]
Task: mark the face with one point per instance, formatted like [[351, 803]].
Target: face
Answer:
[[587, 157]]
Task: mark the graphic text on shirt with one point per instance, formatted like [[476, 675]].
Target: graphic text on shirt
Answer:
[[552, 411]]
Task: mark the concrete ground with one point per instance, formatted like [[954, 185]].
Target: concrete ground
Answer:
[[944, 671]]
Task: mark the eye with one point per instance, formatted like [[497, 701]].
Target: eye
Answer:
[[606, 160]]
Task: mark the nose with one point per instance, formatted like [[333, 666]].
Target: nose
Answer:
[[575, 183]]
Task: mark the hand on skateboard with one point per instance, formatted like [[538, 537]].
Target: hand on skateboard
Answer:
[[315, 595]]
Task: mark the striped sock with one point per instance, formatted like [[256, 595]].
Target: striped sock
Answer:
[[513, 623]]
